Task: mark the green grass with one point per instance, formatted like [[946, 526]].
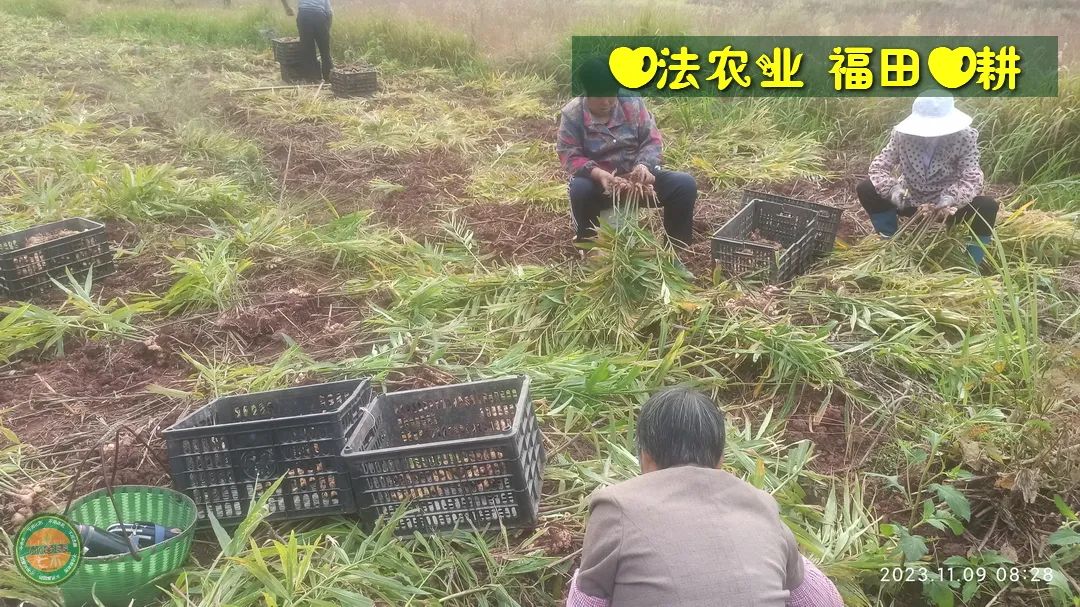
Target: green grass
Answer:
[[374, 36], [27, 327], [209, 279], [947, 374], [736, 143], [520, 173], [1035, 140], [204, 27]]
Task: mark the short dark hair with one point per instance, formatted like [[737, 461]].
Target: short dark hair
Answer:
[[595, 78], [681, 426]]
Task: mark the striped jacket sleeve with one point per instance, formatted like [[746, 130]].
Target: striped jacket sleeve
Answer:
[[816, 589], [571, 146], [650, 146], [577, 598]]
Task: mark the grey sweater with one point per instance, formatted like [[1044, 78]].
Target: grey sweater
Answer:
[[688, 537], [322, 6]]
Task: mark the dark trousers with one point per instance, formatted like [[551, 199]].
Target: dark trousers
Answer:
[[981, 212], [314, 29], [676, 193]]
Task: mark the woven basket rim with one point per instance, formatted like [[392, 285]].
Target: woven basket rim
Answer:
[[143, 552]]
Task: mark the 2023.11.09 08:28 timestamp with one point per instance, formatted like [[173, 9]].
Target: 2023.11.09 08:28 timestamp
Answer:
[[967, 574]]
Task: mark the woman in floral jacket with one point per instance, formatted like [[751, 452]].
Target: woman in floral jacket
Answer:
[[931, 163]]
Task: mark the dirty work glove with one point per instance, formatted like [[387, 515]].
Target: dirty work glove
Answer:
[[946, 205], [898, 196]]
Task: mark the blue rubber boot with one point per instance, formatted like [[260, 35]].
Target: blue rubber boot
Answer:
[[885, 223], [977, 251]]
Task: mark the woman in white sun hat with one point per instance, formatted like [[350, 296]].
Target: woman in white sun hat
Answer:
[[932, 162]]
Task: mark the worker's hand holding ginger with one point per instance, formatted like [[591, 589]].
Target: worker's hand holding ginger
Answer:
[[606, 180], [642, 174]]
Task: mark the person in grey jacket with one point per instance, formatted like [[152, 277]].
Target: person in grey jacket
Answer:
[[931, 163], [313, 19], [687, 533]]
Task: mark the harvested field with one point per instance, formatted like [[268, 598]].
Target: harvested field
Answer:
[[902, 409]]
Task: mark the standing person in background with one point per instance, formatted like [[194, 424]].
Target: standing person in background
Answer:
[[686, 533], [313, 19], [931, 164]]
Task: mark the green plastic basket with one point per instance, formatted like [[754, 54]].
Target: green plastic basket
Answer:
[[119, 579]]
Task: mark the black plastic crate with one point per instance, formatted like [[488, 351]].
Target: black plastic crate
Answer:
[[292, 74], [30, 259], [287, 50], [794, 228], [462, 456], [354, 81], [828, 218], [230, 451]]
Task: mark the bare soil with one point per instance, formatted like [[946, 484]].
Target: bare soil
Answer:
[[65, 408], [558, 540], [306, 314], [433, 185], [1000, 519], [827, 430], [94, 385]]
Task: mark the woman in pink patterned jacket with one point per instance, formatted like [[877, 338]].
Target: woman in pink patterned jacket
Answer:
[[931, 163]]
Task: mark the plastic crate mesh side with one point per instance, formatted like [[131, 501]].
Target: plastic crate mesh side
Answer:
[[330, 401], [532, 457], [350, 415], [782, 223], [740, 259], [208, 475], [289, 402], [797, 258], [447, 483], [309, 458], [735, 257], [828, 217], [463, 416], [276, 503], [31, 271], [227, 466], [525, 456], [788, 225], [28, 264]]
